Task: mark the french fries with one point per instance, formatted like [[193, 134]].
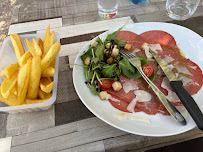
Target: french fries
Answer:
[[23, 81], [48, 41], [28, 81], [17, 45], [41, 45], [46, 85], [44, 95], [48, 72], [23, 59], [11, 100], [35, 74], [31, 101], [10, 70], [8, 85], [50, 56]]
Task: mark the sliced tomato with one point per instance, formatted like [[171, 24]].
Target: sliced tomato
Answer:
[[106, 83], [148, 70]]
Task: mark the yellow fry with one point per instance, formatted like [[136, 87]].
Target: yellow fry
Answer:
[[14, 90], [8, 85], [17, 45], [11, 100], [46, 84], [48, 72], [50, 56], [41, 45], [10, 70], [24, 58], [53, 63], [33, 47], [23, 81], [31, 101], [44, 95], [48, 41], [35, 76]]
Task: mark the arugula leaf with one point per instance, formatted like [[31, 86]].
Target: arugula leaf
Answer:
[[122, 42], [114, 34], [99, 52], [124, 63], [108, 70], [128, 70], [93, 89], [86, 54]]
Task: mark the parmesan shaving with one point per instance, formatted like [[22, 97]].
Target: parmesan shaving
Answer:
[[155, 47], [132, 104], [168, 59], [181, 68], [121, 115], [193, 67], [127, 87], [145, 47], [150, 59], [140, 119], [111, 98], [136, 50], [143, 96], [171, 95]]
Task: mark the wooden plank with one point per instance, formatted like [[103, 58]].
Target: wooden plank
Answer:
[[92, 147], [149, 8], [153, 17], [20, 123], [44, 134], [34, 26], [74, 30], [3, 118], [70, 140], [90, 123], [70, 49], [5, 144], [71, 111], [141, 143]]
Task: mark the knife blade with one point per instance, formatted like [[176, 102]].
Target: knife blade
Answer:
[[182, 94]]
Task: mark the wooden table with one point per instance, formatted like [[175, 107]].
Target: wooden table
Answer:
[[68, 125]]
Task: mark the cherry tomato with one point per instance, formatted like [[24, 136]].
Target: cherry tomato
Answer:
[[106, 83], [148, 70]]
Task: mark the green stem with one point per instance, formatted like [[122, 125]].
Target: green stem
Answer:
[[93, 77], [98, 79], [92, 52]]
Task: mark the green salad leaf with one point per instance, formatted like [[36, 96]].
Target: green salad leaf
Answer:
[[110, 70], [128, 70], [114, 34], [99, 52]]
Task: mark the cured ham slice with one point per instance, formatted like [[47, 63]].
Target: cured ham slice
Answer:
[[125, 99]]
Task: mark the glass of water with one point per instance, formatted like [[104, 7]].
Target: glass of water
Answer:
[[107, 8], [181, 9]]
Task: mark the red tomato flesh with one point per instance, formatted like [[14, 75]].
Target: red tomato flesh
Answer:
[[148, 70], [106, 83]]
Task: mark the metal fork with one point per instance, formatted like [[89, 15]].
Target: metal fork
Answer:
[[135, 61]]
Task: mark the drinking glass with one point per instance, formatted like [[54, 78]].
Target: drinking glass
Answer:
[[181, 9], [107, 8]]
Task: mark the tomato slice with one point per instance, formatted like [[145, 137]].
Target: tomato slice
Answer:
[[148, 70], [106, 83]]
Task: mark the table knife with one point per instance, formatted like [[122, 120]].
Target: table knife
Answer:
[[183, 95]]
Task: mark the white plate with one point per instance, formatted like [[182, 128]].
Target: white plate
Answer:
[[188, 41]]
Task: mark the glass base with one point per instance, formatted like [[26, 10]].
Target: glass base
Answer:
[[107, 15]]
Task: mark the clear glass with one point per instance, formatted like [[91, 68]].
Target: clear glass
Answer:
[[107, 8], [181, 9]]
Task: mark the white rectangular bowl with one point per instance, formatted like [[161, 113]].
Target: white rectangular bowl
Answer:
[[8, 57]]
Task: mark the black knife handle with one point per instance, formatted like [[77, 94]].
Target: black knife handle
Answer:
[[188, 102]]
